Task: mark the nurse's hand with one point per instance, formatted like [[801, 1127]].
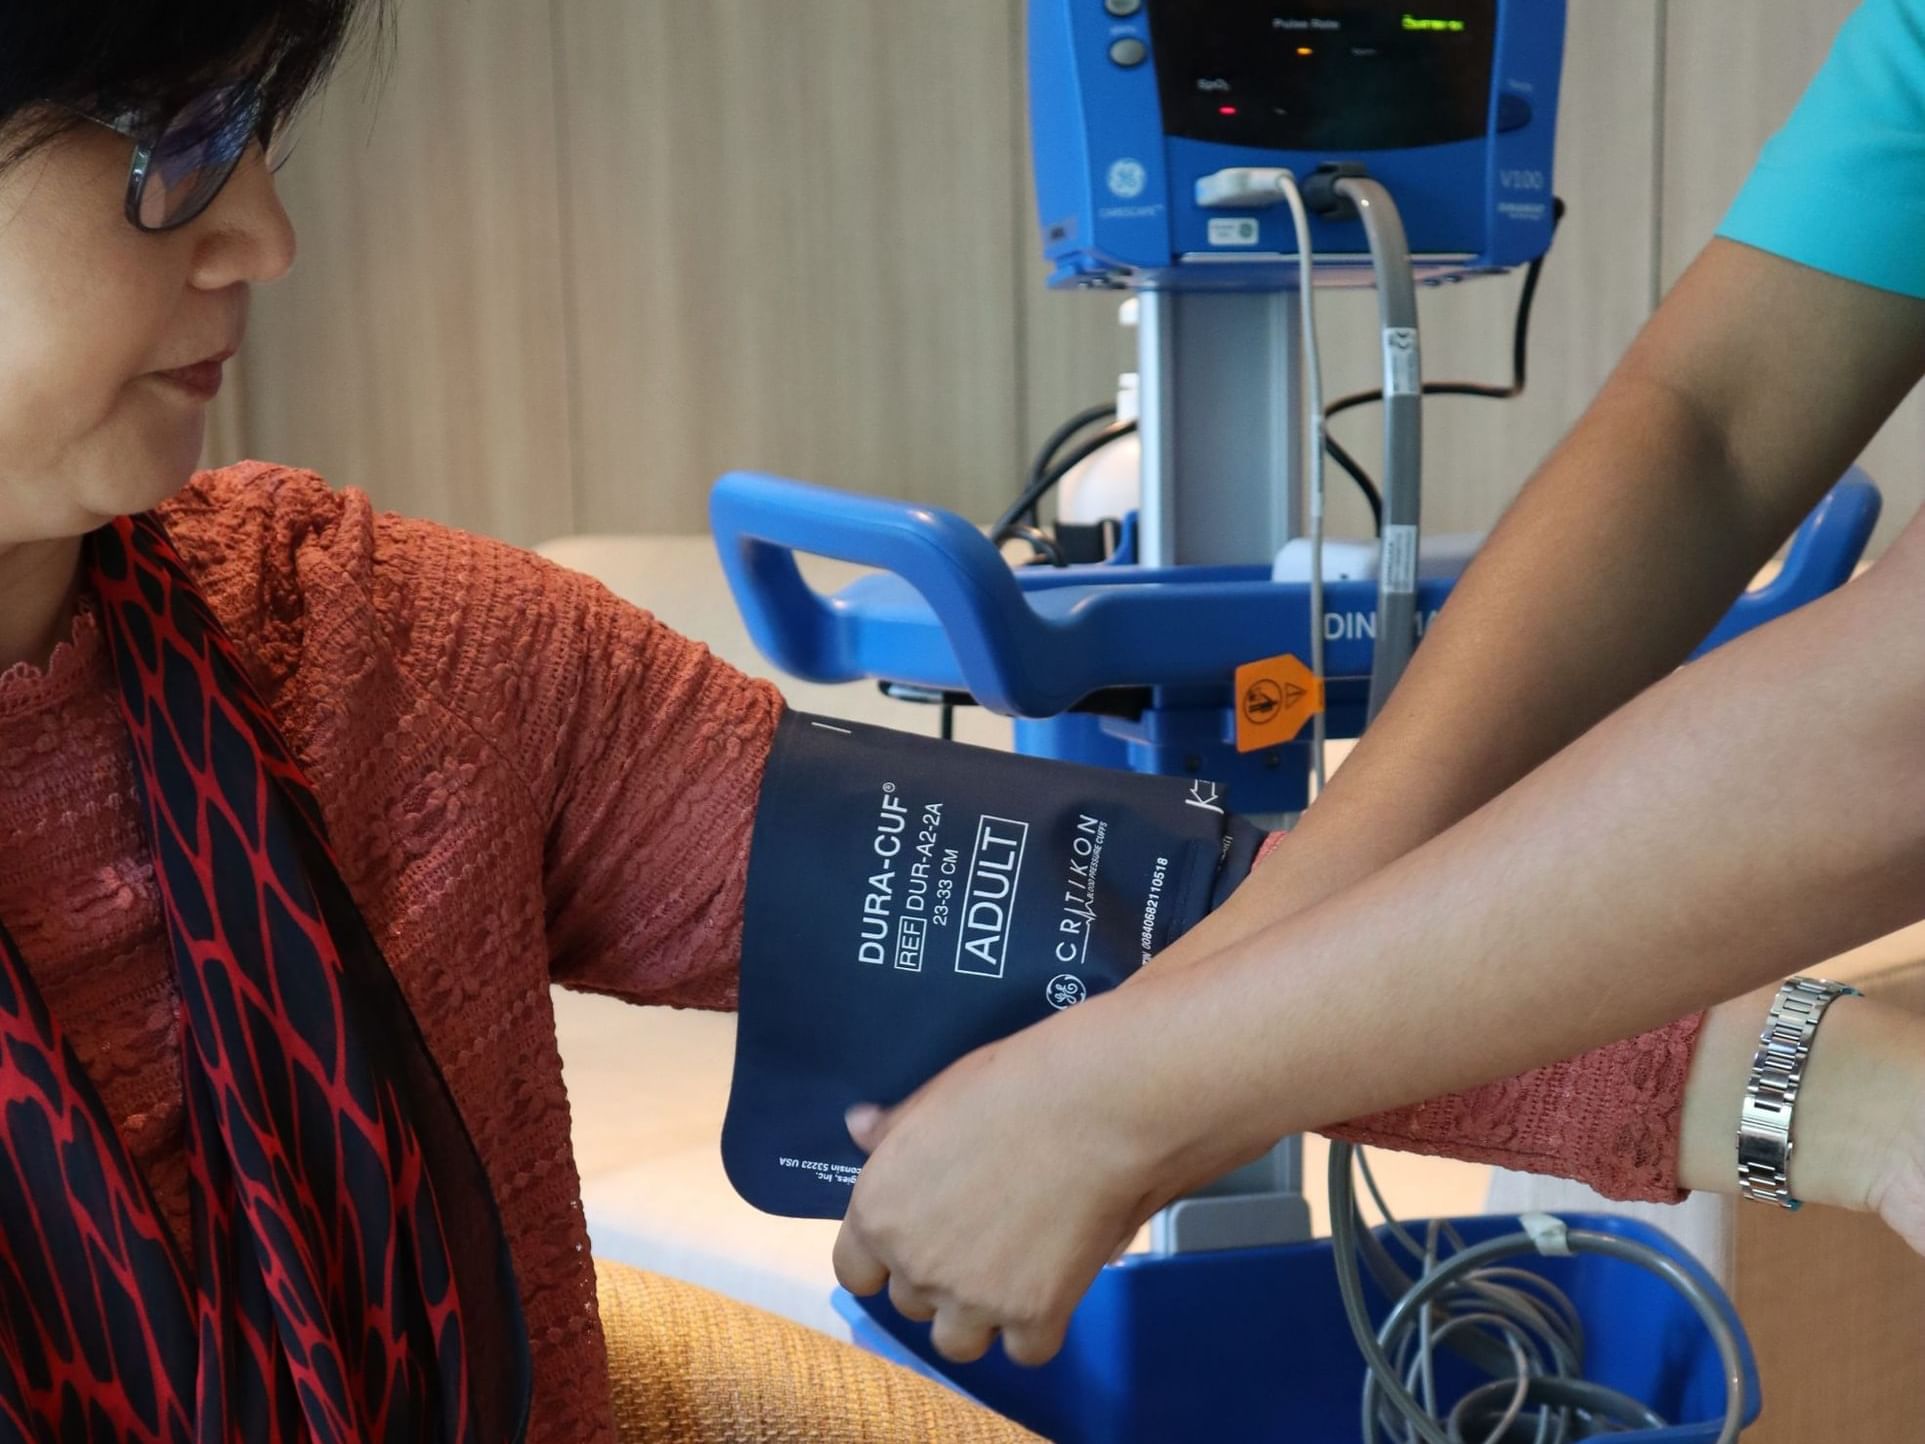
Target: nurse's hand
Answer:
[[995, 1194]]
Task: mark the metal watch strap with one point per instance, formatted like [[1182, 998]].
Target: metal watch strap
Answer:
[[1771, 1094]]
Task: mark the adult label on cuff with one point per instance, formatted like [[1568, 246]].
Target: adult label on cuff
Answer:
[[910, 901]]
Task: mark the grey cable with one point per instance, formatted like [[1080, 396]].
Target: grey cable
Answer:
[[1313, 407], [1403, 435], [1481, 1352], [1533, 1353], [1483, 1312]]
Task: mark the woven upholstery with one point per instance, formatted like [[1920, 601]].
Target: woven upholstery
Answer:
[[691, 1367]]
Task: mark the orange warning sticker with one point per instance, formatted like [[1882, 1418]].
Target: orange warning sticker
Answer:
[[1275, 697]]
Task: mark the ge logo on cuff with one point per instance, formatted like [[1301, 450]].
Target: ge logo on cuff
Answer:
[[1127, 179], [1066, 990]]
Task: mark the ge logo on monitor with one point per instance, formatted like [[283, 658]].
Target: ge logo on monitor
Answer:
[[1066, 990], [1127, 179]]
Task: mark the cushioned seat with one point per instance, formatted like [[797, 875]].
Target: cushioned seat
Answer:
[[692, 1367]]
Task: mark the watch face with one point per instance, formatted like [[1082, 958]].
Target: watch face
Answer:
[[1762, 1150]]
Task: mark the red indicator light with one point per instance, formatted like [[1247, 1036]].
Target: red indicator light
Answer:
[[1226, 110]]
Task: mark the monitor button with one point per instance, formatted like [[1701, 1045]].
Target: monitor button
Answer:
[[1513, 112]]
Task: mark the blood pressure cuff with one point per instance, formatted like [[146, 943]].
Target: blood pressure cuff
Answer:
[[912, 900]]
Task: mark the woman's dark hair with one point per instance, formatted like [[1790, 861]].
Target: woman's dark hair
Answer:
[[151, 57]]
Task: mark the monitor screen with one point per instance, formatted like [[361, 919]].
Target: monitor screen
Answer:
[[1324, 75]]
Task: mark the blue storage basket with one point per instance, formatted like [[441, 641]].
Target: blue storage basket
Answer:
[[1252, 1345]]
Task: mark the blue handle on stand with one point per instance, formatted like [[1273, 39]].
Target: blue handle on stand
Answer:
[[761, 522], [1823, 554], [949, 612]]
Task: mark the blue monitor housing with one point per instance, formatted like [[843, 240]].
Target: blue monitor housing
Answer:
[[1451, 104]]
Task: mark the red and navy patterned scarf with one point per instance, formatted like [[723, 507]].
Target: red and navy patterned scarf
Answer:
[[350, 1279]]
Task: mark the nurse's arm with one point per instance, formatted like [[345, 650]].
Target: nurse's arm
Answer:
[[1746, 396], [1748, 817]]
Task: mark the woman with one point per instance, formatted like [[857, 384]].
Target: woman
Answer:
[[237, 1197], [307, 807], [283, 1139], [1526, 857]]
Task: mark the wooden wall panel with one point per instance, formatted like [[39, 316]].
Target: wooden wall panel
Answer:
[[417, 349], [788, 239], [576, 259], [1734, 70]]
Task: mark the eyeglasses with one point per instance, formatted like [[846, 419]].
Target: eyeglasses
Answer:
[[182, 164]]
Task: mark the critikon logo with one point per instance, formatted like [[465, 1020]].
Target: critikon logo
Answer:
[[989, 901]]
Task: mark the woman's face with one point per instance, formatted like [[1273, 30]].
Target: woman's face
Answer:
[[92, 311]]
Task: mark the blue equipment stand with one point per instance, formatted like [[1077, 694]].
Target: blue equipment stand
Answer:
[[1237, 1343], [947, 612]]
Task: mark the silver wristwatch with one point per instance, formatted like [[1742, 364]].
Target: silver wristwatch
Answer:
[[1777, 1073]]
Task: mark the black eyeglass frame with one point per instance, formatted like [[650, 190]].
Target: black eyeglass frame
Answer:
[[148, 138]]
